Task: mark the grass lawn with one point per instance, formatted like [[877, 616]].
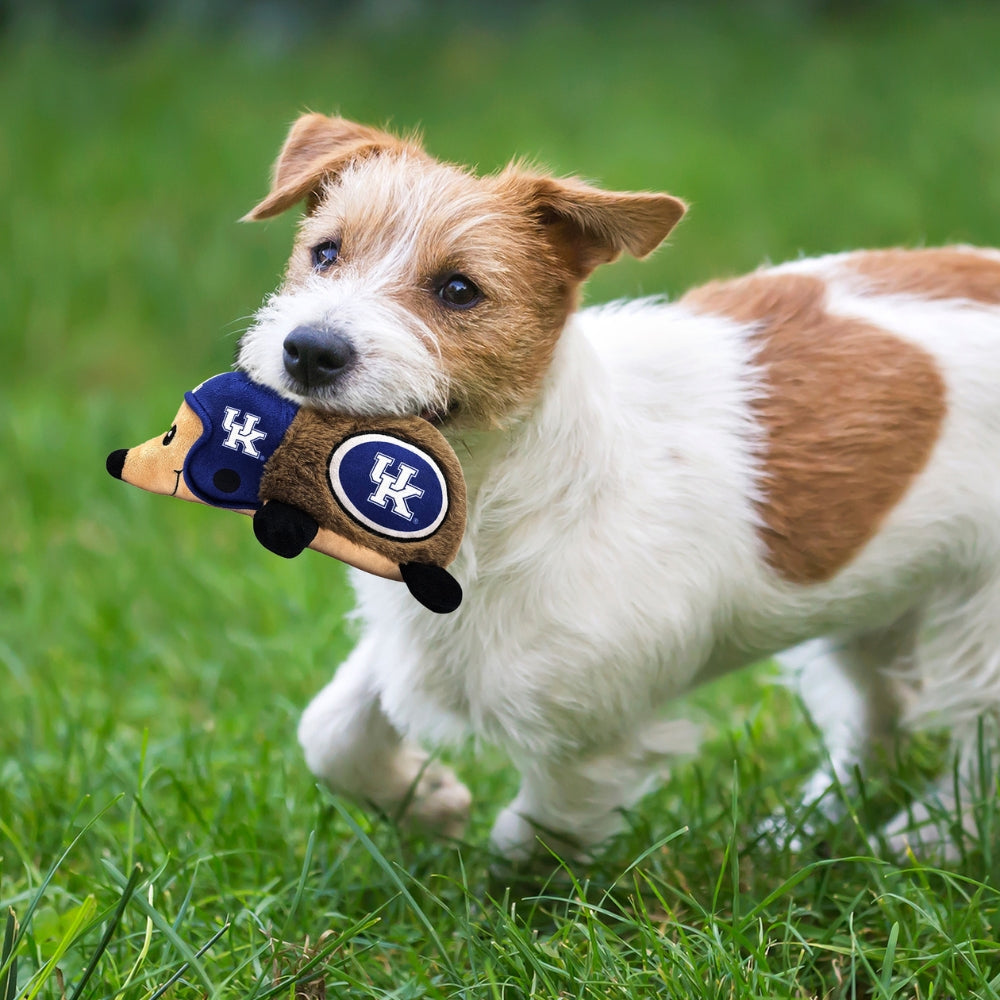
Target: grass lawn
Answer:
[[159, 833]]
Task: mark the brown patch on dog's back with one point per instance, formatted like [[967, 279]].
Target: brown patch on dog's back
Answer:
[[851, 414], [946, 273]]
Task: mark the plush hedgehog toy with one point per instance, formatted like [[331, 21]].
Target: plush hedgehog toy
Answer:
[[385, 495]]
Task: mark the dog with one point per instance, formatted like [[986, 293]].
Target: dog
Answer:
[[804, 458]]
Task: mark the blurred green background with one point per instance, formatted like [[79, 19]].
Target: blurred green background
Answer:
[[151, 649], [133, 135]]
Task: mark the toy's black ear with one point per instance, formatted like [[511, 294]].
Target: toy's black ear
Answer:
[[434, 587], [283, 529]]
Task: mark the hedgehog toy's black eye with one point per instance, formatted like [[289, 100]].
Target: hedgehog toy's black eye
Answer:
[[459, 292], [325, 254], [170, 435]]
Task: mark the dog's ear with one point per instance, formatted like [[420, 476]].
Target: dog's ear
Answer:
[[318, 147], [588, 226]]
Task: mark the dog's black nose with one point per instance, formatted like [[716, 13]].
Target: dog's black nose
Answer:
[[315, 358], [116, 462]]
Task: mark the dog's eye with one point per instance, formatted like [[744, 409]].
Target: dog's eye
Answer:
[[460, 292], [170, 435], [325, 254]]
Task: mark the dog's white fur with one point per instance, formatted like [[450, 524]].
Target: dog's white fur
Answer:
[[613, 560]]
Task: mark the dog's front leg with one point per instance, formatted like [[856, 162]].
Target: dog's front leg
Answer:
[[351, 745]]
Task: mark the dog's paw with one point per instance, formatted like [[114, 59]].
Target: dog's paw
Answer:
[[514, 837], [777, 833], [519, 840], [924, 834], [439, 803], [802, 824]]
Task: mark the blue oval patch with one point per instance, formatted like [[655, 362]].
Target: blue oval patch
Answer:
[[389, 485]]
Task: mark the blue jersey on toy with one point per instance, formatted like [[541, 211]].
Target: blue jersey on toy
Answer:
[[243, 423]]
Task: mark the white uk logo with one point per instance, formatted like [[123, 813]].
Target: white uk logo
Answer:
[[242, 436], [395, 489]]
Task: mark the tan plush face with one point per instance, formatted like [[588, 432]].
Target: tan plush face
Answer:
[[157, 465], [442, 292]]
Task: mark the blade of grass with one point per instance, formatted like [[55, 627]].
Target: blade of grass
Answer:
[[109, 931], [300, 888], [163, 925], [885, 977], [303, 973], [380, 859], [8, 978], [147, 939], [180, 972], [50, 874], [83, 914]]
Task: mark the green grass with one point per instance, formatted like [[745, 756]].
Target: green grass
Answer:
[[156, 819]]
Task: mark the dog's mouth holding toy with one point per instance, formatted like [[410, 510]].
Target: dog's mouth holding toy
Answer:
[[320, 398]]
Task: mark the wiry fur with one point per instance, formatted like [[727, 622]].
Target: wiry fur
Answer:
[[618, 481]]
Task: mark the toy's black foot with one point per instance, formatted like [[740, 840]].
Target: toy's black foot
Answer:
[[116, 462], [283, 529], [435, 588]]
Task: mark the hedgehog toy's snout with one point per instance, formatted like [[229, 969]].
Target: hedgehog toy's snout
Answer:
[[116, 462]]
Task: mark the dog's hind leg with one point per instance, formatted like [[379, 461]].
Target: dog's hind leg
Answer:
[[853, 689], [571, 804], [351, 745], [958, 667]]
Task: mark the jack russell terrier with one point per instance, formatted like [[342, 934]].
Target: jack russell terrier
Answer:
[[658, 493]]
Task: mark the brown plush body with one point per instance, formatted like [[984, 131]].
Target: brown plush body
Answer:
[[297, 474]]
